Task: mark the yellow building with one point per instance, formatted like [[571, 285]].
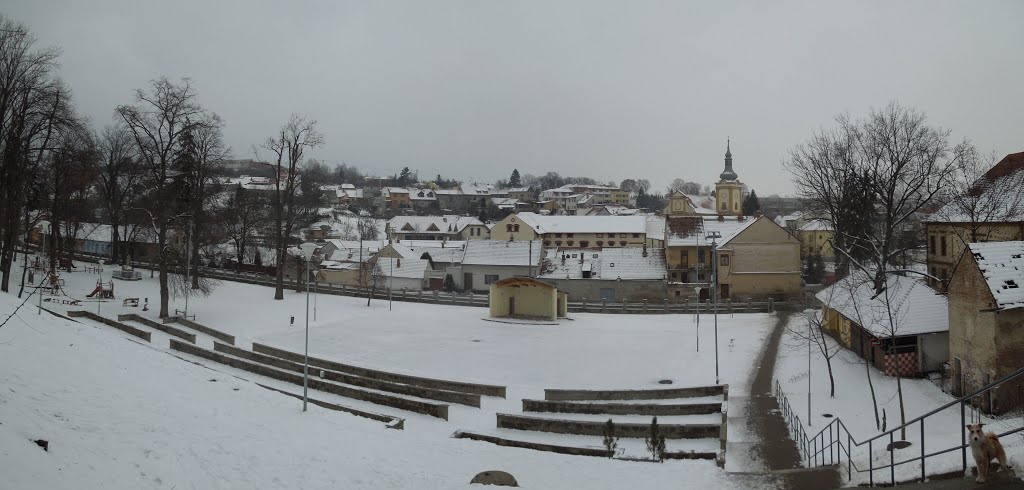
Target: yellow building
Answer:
[[729, 190], [816, 237], [524, 297], [573, 231], [756, 257]]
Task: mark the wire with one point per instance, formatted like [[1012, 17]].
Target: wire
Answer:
[[23, 302]]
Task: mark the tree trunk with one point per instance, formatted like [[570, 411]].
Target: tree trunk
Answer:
[[165, 292], [871, 386]]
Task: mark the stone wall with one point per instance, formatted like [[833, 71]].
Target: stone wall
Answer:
[[480, 389]]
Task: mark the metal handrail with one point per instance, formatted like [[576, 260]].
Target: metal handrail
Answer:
[[819, 451]]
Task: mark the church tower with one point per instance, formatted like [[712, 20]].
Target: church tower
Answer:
[[728, 189]]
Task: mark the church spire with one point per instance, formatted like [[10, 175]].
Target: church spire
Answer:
[[728, 174]]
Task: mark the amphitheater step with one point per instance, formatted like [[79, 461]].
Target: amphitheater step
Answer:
[[438, 410], [653, 394], [390, 421], [468, 399], [596, 428], [137, 332], [480, 389], [622, 408], [591, 445]]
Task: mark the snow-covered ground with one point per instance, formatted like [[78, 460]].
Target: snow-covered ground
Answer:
[[122, 414], [852, 403]]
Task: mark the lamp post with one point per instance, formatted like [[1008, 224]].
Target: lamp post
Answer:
[[810, 332], [714, 236], [696, 290], [45, 273], [307, 252]]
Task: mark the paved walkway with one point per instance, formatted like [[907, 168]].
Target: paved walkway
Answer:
[[759, 440]]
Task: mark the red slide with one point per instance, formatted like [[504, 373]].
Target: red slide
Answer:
[[94, 291]]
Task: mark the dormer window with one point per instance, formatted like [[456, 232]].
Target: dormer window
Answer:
[[1010, 284]]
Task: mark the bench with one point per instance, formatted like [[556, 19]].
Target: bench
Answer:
[[133, 302]]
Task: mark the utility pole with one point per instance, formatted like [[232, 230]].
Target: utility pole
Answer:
[[714, 236]]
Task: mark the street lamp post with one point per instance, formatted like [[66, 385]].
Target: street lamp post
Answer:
[[307, 252], [810, 332], [696, 290], [714, 236], [45, 273]]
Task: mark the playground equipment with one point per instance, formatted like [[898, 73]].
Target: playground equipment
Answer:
[[132, 302], [103, 290], [127, 273], [66, 264]]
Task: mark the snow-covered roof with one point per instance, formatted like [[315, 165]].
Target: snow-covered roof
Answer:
[[519, 189], [432, 224], [584, 224], [916, 308], [1002, 264], [686, 231], [702, 204], [815, 225], [404, 267], [500, 252], [98, 232], [477, 189], [422, 195], [433, 243], [608, 264]]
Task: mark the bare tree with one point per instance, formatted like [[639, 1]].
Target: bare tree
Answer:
[[814, 333], [288, 147], [208, 152], [367, 228], [34, 104], [900, 164], [245, 212], [118, 176], [371, 277], [158, 120]]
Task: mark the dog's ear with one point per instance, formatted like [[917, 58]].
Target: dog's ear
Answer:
[[981, 425], [968, 426]]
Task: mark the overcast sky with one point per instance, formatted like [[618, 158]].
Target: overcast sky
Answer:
[[612, 90]]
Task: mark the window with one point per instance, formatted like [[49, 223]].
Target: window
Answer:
[[558, 235], [489, 278], [622, 235], [622, 242], [677, 292], [674, 276], [636, 235], [508, 227], [570, 244], [515, 227], [725, 205], [700, 256], [547, 243], [686, 277], [584, 243], [931, 244], [600, 235], [611, 243], [942, 243], [569, 235], [725, 261], [600, 243], [558, 243], [684, 256]]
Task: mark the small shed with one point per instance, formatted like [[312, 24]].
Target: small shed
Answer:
[[912, 339], [525, 297]]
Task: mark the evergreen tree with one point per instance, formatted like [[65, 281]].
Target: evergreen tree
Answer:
[[515, 180], [656, 441], [611, 442], [449, 283], [404, 178], [751, 204]]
